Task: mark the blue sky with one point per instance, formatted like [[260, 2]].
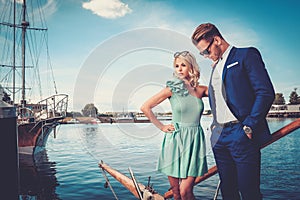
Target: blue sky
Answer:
[[103, 50]]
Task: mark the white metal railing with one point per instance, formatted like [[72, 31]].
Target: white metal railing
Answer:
[[52, 107]]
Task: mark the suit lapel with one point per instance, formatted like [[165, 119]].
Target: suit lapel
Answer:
[[230, 57], [224, 73]]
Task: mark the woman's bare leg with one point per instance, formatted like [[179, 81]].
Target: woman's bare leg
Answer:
[[186, 188], [174, 182]]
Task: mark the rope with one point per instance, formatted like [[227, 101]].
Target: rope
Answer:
[[138, 190], [108, 183], [217, 190]]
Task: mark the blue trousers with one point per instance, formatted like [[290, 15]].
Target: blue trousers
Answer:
[[238, 161]]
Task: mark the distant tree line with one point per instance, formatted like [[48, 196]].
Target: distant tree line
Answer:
[[90, 110], [294, 98]]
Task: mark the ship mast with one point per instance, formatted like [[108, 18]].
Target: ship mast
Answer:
[[24, 25], [14, 55]]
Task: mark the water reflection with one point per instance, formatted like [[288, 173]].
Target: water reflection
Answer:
[[39, 181]]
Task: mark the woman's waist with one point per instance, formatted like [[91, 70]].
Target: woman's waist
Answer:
[[186, 124]]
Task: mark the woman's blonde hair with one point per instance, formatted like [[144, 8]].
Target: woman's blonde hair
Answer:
[[194, 72]]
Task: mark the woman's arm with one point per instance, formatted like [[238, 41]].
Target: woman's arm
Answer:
[[155, 100], [203, 91]]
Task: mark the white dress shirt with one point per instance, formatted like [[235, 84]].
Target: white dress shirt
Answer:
[[223, 113]]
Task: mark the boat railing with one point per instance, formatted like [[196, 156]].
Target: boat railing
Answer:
[[54, 106]]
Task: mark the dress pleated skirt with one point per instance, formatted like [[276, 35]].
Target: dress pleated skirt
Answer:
[[183, 152]]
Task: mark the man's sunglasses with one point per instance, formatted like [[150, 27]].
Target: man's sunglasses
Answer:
[[206, 51]]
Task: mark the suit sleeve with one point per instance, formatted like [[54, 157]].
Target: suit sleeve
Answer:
[[262, 88]]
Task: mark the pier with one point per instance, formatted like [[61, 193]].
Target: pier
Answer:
[[284, 111]]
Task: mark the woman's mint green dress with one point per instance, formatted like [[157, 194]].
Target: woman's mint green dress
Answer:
[[183, 152]]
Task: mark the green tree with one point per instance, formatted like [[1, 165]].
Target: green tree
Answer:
[[279, 99], [90, 110], [294, 98]]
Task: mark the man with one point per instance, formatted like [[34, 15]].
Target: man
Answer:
[[240, 95]]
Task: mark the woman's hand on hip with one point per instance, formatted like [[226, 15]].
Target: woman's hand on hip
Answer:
[[169, 128]]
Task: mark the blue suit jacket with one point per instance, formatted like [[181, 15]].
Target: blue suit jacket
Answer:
[[247, 90]]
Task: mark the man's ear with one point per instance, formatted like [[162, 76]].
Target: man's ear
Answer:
[[219, 40]]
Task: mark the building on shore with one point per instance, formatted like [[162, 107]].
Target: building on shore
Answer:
[[286, 110], [279, 111]]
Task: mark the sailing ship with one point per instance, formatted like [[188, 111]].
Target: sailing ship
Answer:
[[23, 39]]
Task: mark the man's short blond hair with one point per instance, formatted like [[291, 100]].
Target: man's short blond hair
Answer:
[[206, 32]]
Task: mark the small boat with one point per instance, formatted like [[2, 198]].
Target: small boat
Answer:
[[21, 59], [95, 121], [165, 118], [125, 118], [73, 121], [147, 193]]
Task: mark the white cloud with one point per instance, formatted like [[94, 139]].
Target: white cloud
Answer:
[[107, 8]]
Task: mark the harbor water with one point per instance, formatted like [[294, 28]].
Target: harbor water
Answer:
[[69, 169]]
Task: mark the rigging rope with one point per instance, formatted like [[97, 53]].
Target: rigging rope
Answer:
[[108, 183], [103, 172], [50, 64], [36, 46]]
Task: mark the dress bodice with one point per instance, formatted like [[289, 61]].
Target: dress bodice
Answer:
[[186, 108]]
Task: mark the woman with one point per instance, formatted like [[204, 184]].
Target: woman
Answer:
[[183, 156]]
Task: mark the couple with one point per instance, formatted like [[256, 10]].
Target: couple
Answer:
[[240, 94]]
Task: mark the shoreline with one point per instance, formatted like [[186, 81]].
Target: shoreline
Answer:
[[91, 120]]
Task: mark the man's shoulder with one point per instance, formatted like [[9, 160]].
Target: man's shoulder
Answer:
[[243, 51]]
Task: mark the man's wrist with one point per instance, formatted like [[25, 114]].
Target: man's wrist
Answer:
[[247, 129]]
